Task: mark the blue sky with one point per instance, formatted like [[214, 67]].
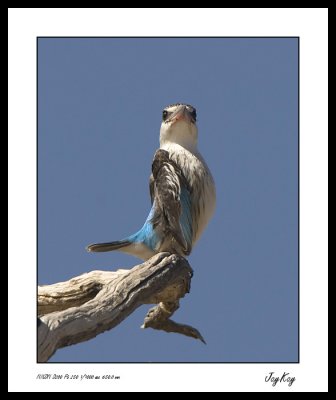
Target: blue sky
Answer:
[[99, 114]]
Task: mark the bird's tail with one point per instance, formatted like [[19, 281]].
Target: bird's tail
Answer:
[[110, 246]]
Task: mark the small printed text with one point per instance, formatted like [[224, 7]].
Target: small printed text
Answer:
[[77, 377]]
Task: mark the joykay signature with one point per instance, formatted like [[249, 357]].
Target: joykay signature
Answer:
[[285, 378]]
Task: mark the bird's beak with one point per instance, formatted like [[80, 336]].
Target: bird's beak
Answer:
[[181, 114]]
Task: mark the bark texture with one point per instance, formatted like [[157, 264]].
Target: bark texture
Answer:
[[79, 309]]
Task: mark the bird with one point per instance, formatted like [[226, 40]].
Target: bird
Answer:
[[182, 191]]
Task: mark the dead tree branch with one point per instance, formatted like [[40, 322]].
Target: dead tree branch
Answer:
[[79, 309]]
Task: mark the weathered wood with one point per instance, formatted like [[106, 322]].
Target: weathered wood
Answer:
[[85, 306]]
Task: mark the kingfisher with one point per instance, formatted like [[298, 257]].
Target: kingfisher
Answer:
[[182, 191]]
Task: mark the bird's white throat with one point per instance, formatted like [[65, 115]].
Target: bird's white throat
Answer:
[[180, 132]]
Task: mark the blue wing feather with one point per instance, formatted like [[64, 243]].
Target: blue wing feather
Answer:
[[171, 213], [146, 234]]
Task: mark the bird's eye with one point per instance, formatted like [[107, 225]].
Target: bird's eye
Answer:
[[194, 115], [164, 115]]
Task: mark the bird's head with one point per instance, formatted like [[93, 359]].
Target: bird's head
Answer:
[[179, 126]]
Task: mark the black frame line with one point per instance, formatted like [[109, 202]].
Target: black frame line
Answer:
[[298, 192], [167, 37]]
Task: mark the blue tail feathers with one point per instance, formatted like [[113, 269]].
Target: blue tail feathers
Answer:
[[147, 234]]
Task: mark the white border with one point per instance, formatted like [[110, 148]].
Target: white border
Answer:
[[312, 27]]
